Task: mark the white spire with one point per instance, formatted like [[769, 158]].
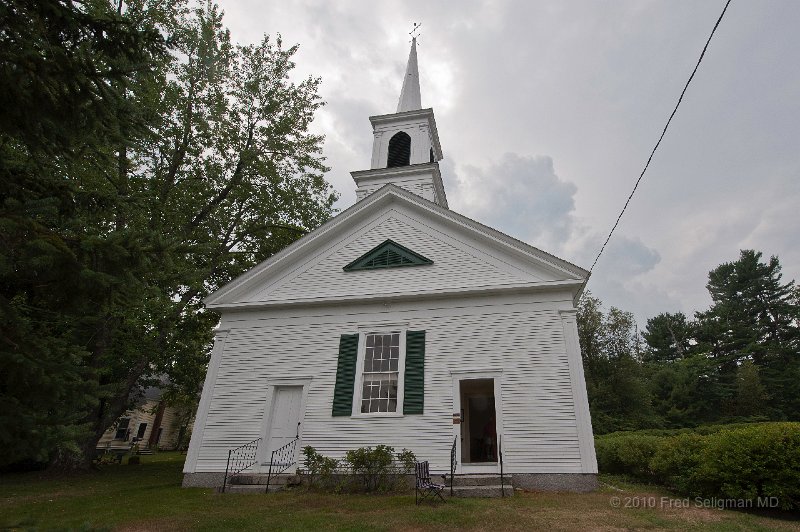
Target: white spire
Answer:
[[409, 97]]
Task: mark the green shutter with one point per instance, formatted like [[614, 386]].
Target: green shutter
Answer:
[[414, 398], [345, 375]]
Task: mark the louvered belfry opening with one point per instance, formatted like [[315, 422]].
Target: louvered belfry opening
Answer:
[[399, 150]]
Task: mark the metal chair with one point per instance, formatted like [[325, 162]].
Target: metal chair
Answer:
[[423, 487]]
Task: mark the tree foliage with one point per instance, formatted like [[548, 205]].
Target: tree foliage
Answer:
[[163, 161], [738, 360], [618, 397]]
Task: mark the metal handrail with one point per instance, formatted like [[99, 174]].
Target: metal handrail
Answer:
[[453, 463], [286, 455], [243, 457], [500, 455]]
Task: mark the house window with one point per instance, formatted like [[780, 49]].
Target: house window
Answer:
[[122, 429], [381, 375]]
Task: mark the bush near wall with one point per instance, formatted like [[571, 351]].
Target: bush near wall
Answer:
[[733, 462], [364, 469]]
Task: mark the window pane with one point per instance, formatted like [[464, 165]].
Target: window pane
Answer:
[[368, 359], [370, 340]]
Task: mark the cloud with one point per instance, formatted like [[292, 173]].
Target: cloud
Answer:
[[590, 85], [520, 194], [525, 198]]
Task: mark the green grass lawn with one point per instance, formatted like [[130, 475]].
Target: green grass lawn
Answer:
[[149, 497]]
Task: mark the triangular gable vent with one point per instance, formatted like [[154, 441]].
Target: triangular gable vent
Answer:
[[387, 255]]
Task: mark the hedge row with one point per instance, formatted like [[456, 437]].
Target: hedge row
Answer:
[[737, 462]]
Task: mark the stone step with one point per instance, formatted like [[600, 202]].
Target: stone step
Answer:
[[253, 488], [482, 491], [261, 479], [480, 480]]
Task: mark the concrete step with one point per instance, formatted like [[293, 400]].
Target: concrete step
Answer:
[[482, 491], [480, 480]]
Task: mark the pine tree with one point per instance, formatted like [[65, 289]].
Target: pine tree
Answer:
[[668, 337], [754, 316]]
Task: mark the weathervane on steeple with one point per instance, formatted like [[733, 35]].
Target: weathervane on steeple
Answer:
[[409, 95], [414, 31]]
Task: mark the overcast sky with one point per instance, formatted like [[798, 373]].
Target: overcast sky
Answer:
[[547, 111]]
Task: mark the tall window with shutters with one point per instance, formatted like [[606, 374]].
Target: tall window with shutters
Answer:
[[380, 373]]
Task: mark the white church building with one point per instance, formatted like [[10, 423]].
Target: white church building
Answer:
[[401, 322]]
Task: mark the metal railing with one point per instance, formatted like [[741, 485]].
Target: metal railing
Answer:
[[239, 459], [453, 463], [500, 456], [283, 458]]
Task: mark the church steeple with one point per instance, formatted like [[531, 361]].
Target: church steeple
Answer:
[[410, 99], [406, 150]]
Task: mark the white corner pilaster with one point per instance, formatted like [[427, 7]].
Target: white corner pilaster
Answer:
[[579, 397], [196, 442], [377, 142]]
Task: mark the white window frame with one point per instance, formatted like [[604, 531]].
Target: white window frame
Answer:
[[358, 385]]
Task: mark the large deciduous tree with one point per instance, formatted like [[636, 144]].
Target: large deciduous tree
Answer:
[[618, 397], [115, 229]]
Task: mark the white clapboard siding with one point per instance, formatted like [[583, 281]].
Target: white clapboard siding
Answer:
[[525, 340], [455, 266]]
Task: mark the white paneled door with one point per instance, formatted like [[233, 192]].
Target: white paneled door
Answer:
[[285, 417]]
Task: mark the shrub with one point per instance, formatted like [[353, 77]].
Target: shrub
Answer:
[[760, 461], [627, 453], [743, 461], [373, 466], [406, 461], [676, 460], [363, 469], [318, 466]]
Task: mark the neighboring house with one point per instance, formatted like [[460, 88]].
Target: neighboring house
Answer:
[[401, 322], [151, 424]]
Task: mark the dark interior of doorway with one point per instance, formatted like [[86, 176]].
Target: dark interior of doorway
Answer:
[[479, 421]]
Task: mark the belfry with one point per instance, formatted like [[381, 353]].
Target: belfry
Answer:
[[406, 149]]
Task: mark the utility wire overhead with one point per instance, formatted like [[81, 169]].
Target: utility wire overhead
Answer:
[[663, 132]]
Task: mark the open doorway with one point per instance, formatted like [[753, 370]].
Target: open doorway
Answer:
[[478, 421]]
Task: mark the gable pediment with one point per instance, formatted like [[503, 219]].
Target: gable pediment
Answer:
[[360, 254]]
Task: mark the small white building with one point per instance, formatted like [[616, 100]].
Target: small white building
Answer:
[[401, 322]]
